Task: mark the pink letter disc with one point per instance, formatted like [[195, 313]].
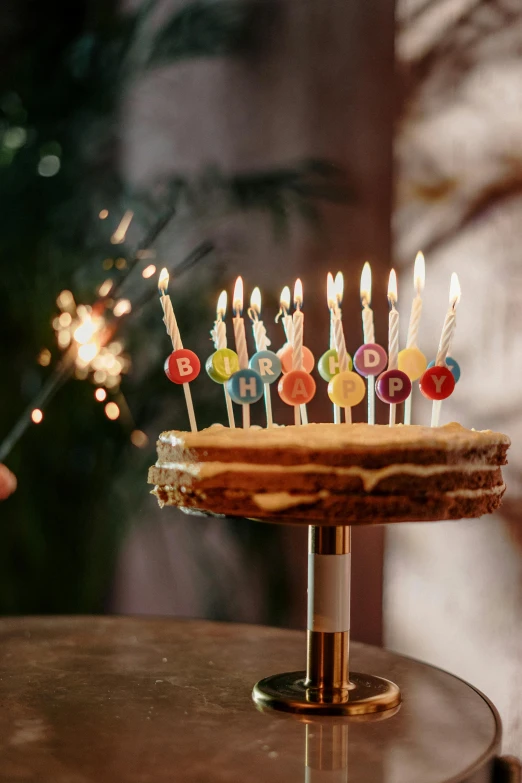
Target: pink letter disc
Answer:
[[370, 359], [393, 386]]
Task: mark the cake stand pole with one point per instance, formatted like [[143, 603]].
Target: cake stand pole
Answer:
[[328, 626], [328, 687]]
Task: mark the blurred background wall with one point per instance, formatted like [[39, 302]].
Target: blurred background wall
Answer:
[[453, 591]]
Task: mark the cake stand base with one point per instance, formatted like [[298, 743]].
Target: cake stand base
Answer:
[[287, 692]]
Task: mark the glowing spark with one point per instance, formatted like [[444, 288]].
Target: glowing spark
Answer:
[[65, 300], [105, 288], [112, 411], [139, 439], [103, 214], [119, 235], [87, 352], [148, 271], [65, 320], [122, 308], [37, 416], [100, 395], [44, 357]]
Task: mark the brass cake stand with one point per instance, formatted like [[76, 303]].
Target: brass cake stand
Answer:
[[328, 687]]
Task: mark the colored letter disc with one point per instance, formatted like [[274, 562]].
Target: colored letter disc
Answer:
[[370, 359], [437, 383], [296, 387], [182, 366], [328, 364], [453, 365], [412, 362], [346, 389], [267, 364], [286, 355], [393, 386], [222, 364], [245, 386]]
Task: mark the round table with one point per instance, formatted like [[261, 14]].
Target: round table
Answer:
[[133, 700]]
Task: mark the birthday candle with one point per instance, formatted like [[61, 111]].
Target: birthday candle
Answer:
[[332, 301], [393, 334], [171, 325], [285, 316], [335, 295], [366, 300], [411, 353], [262, 342], [240, 339], [448, 329], [368, 331], [297, 338], [219, 336]]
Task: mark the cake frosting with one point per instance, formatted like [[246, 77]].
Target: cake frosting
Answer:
[[333, 474]]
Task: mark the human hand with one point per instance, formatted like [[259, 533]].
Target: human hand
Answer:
[[7, 482]]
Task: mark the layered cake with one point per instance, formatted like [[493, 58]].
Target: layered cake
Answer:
[[331, 473]]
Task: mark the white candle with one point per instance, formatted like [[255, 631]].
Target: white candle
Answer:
[[448, 330], [260, 336], [332, 301], [415, 316], [416, 306], [219, 336], [450, 322], [240, 339], [297, 328], [366, 300], [335, 296], [171, 325], [393, 334], [262, 342], [368, 331], [286, 318]]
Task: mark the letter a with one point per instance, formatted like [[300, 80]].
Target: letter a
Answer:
[[299, 389]]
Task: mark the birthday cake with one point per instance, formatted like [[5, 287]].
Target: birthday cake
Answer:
[[332, 473]]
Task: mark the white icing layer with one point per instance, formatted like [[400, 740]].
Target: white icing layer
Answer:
[[370, 477], [341, 437]]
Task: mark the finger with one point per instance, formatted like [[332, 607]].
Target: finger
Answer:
[[7, 482]]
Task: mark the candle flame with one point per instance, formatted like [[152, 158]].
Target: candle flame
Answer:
[[330, 291], [163, 281], [222, 304], [339, 287], [366, 284], [392, 288], [419, 273], [237, 300], [298, 293], [455, 292], [255, 300], [284, 299]]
